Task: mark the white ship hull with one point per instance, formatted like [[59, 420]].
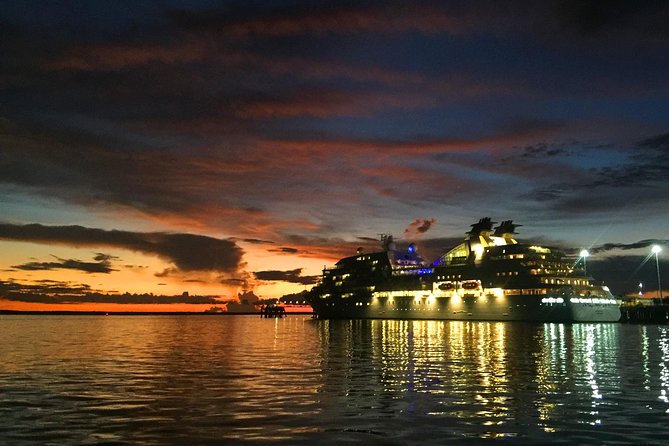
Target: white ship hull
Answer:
[[484, 308]]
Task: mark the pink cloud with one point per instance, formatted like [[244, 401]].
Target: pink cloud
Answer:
[[419, 226]]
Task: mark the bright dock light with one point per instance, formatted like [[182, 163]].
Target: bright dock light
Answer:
[[656, 249], [584, 255]]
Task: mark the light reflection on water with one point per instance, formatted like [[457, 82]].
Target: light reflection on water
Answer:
[[235, 379]]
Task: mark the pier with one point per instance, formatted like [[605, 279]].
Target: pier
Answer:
[[272, 311], [649, 314]]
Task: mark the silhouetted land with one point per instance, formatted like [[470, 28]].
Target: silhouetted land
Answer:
[[132, 313], [123, 313]]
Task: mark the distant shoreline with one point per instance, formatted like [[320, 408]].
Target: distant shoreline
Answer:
[[133, 313]]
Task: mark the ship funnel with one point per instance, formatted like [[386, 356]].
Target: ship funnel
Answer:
[[480, 234], [483, 227], [506, 230]]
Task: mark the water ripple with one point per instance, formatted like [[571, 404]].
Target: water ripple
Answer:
[[213, 380]]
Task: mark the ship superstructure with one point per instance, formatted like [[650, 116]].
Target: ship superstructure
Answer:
[[490, 276]]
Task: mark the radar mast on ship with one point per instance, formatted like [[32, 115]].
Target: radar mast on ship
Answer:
[[387, 242]]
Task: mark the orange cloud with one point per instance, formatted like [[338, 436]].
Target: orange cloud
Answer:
[[94, 57]]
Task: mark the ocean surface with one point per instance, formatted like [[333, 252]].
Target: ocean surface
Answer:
[[145, 380]]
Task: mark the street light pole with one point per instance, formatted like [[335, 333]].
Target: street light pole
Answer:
[[656, 249]]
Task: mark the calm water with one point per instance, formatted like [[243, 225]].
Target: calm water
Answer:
[[242, 379]]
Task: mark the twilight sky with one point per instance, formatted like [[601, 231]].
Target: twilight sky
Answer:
[[220, 146]]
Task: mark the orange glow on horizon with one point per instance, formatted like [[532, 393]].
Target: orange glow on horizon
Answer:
[[10, 305]]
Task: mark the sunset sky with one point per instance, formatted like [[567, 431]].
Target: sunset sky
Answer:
[[157, 147]]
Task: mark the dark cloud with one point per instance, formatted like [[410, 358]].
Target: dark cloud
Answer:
[[647, 168], [628, 246], [543, 150], [256, 241], [188, 252], [593, 17], [314, 18], [635, 179], [102, 257], [54, 292], [46, 287], [140, 267], [291, 276], [545, 194], [647, 165], [103, 265], [659, 142], [167, 272], [285, 250], [234, 281], [369, 239]]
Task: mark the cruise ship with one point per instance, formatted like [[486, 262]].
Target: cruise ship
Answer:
[[488, 277]]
